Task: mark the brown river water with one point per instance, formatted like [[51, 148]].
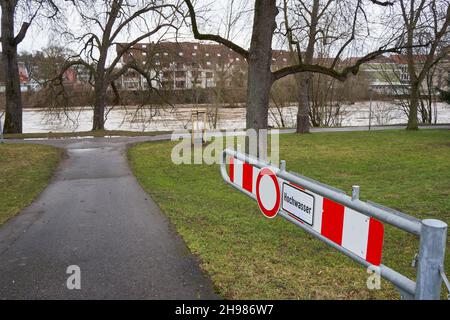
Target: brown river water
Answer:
[[169, 119]]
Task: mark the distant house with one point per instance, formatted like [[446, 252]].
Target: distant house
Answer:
[[389, 74], [23, 77], [70, 76]]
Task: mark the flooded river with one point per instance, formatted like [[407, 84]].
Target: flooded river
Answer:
[[169, 119]]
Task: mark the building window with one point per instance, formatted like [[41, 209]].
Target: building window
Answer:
[[208, 63], [195, 47], [165, 53], [194, 53], [180, 84], [404, 76], [209, 75], [144, 46]]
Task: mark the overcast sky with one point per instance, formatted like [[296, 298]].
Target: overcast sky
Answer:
[[40, 36]]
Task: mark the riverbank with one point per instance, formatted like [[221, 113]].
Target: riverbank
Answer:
[[165, 135], [249, 257], [82, 134], [25, 171]]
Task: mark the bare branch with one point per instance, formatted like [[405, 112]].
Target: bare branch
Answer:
[[22, 33], [339, 75], [212, 37]]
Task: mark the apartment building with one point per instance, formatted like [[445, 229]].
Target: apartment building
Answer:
[[188, 65]]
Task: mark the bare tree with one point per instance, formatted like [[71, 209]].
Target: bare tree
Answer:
[[259, 59], [10, 41], [330, 25], [397, 80], [281, 97], [311, 17], [105, 21], [426, 23]]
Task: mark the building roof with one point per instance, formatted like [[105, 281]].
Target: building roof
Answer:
[[201, 54], [393, 58]]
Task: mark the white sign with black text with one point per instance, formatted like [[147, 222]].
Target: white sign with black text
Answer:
[[298, 203]]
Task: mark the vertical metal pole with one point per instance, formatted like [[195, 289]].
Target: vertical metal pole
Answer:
[[193, 129], [283, 165], [433, 237], [1, 129], [355, 193], [204, 128], [370, 109]]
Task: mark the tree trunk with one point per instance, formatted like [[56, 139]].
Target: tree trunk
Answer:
[[260, 78], [98, 122], [13, 99], [304, 80], [412, 116], [303, 104], [100, 87]]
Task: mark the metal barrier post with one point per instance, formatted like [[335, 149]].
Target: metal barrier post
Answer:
[[433, 237]]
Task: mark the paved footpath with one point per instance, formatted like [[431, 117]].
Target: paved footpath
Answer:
[[94, 214]]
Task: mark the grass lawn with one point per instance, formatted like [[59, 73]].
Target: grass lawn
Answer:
[[250, 257], [25, 170]]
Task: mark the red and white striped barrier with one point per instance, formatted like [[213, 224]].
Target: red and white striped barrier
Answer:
[[354, 231]]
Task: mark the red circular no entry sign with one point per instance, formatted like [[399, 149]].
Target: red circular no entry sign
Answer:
[[268, 192]]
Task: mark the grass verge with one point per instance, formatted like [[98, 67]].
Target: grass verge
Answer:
[[24, 172], [250, 257], [96, 133]]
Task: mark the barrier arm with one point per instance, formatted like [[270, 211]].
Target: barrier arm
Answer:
[[432, 233]]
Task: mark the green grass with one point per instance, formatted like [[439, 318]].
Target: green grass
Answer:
[[96, 133], [248, 256], [25, 170]]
